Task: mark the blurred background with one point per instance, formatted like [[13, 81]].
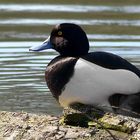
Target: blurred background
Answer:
[[112, 26]]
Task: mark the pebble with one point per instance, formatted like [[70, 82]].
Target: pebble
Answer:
[[71, 134], [51, 128]]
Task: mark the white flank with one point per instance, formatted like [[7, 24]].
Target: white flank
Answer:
[[93, 84]]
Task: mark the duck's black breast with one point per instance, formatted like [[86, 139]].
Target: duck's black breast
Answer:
[[58, 73]]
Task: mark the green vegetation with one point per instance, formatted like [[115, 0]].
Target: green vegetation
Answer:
[[105, 122]]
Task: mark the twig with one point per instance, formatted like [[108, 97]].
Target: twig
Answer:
[[86, 109], [101, 126]]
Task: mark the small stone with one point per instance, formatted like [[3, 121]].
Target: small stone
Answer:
[[51, 128], [131, 124], [137, 133], [87, 135], [25, 117], [28, 127], [13, 135], [71, 135], [8, 132], [62, 128], [51, 118], [112, 120], [60, 135]]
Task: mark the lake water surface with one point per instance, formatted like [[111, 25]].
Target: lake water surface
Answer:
[[110, 26]]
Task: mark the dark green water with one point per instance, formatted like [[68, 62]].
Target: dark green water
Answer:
[[111, 26]]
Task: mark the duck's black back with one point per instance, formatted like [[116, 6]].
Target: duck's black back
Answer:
[[111, 61]]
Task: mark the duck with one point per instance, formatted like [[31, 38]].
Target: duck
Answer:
[[90, 78]]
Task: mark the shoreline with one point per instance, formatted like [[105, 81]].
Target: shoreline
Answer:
[[22, 125]]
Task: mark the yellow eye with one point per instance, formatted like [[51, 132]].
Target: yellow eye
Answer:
[[60, 33]]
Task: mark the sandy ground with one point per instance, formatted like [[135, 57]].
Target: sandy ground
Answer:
[[25, 126]]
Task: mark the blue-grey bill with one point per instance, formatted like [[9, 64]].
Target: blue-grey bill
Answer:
[[46, 45]]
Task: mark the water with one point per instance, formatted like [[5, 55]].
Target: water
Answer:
[[113, 27]]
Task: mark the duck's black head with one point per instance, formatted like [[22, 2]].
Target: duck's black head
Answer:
[[68, 39]]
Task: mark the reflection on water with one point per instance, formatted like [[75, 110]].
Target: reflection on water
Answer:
[[22, 86]]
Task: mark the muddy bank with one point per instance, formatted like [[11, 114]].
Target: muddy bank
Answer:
[[22, 125]]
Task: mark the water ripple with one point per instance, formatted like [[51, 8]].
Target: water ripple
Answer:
[[67, 8], [41, 22], [45, 35], [15, 44]]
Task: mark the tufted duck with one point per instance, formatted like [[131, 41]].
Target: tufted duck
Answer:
[[96, 78]]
